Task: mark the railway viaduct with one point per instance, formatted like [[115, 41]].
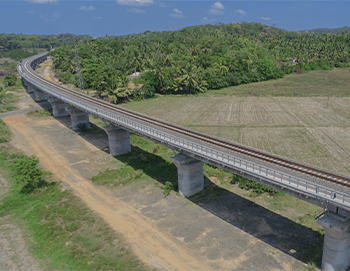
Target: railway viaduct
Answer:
[[317, 186]]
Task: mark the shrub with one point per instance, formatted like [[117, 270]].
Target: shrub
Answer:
[[254, 186], [10, 79]]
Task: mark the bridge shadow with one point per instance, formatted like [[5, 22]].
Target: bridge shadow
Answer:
[[95, 136], [280, 232]]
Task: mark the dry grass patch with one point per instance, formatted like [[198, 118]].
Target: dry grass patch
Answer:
[[315, 83]]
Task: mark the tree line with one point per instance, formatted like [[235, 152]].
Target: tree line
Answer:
[[194, 59]]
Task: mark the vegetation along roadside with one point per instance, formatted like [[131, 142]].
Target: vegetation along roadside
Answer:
[[64, 233]]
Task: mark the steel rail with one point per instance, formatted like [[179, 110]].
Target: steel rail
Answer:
[[208, 154]]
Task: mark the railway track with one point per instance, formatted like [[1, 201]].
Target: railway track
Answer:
[[270, 158]]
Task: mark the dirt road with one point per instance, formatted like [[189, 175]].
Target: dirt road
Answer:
[[154, 247]]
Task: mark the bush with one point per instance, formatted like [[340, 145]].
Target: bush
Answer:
[[150, 81], [24, 170], [255, 187], [144, 93], [10, 79]]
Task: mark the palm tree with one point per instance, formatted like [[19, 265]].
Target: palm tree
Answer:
[[121, 89], [221, 68], [191, 80]]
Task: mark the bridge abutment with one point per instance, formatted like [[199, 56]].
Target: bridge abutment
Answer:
[[336, 247], [58, 107], [119, 140], [39, 95], [78, 117], [190, 174]]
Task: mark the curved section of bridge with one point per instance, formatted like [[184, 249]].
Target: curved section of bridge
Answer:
[[327, 189]]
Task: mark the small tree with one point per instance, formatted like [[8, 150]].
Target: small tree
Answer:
[[10, 80]]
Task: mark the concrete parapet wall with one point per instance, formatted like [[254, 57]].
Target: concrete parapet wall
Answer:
[[190, 174], [119, 140]]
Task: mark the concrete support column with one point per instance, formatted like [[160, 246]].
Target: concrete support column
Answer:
[[190, 174], [78, 117], [119, 140], [30, 88], [39, 95], [58, 107], [336, 247]]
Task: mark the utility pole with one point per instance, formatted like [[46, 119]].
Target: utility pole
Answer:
[[80, 76], [328, 97], [219, 120]]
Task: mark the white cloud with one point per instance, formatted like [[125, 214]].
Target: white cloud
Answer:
[[51, 19], [135, 2], [42, 1], [136, 10], [177, 14], [265, 18], [218, 5], [217, 9], [161, 4], [242, 12], [30, 11], [84, 8], [97, 18], [206, 20]]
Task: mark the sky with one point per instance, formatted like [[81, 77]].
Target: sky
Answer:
[[123, 17]]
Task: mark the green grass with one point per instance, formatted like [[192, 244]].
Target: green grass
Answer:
[[5, 133], [40, 113], [64, 231], [315, 83], [7, 102], [146, 161]]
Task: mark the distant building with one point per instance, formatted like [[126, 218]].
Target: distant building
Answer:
[[133, 75]]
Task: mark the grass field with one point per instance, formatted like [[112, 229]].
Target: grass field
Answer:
[[301, 128], [316, 83]]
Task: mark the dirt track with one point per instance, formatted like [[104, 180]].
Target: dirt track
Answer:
[[150, 245]]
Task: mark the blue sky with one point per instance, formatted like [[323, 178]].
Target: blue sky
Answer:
[[122, 17]]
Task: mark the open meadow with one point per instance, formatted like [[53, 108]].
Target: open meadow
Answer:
[[301, 128], [315, 83]]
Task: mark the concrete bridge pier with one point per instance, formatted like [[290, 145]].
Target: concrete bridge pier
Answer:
[[190, 174], [30, 88], [39, 95], [78, 117], [119, 140], [58, 107], [336, 247]]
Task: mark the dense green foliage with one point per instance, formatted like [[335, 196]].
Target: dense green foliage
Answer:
[[321, 31], [9, 80], [16, 54], [194, 59], [21, 41]]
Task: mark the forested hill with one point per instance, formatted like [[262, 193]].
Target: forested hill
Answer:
[[198, 58], [321, 31], [21, 41]]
